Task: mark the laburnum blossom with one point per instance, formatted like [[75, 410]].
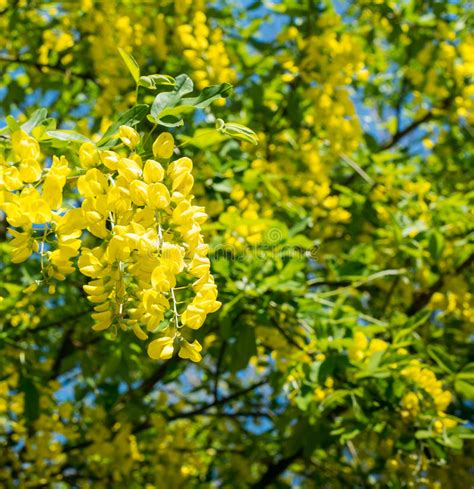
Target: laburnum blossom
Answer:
[[147, 207], [148, 266]]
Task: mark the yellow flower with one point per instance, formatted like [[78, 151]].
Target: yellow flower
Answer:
[[64, 41], [33, 207], [162, 348], [129, 136], [377, 345], [23, 245], [88, 155], [411, 403], [118, 249], [357, 349], [10, 178], [438, 426], [319, 394], [153, 172], [24, 146], [30, 170], [163, 146], [139, 192], [147, 237], [55, 181], [180, 173], [103, 320], [190, 350], [93, 183], [90, 262], [158, 196], [162, 279]]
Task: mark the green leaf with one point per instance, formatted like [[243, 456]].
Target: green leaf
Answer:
[[35, 120], [66, 135], [188, 105], [423, 434], [224, 187], [300, 241], [467, 373], [131, 63], [442, 358], [271, 189], [334, 399], [168, 100], [435, 245], [152, 81], [464, 389], [162, 101], [237, 131], [350, 435], [419, 319], [204, 138], [208, 95], [168, 107], [32, 407], [464, 432], [12, 123], [176, 111], [374, 361], [244, 347], [183, 85], [131, 117], [454, 442], [304, 401]]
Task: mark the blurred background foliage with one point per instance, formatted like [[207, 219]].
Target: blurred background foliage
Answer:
[[342, 246]]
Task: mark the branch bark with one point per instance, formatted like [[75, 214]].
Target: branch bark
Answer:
[[422, 299], [404, 132], [275, 469]]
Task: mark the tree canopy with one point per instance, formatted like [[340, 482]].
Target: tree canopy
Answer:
[[236, 244]]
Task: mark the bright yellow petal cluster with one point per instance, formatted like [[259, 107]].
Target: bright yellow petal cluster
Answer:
[[362, 349], [152, 249], [32, 197], [426, 380], [205, 51], [149, 271]]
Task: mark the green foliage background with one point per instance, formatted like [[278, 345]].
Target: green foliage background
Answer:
[[342, 246]]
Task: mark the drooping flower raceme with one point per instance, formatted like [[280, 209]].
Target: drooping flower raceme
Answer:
[[149, 271]]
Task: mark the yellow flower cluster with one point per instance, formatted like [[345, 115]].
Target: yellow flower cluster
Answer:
[[26, 207], [10, 399], [316, 187], [321, 392], [330, 62], [247, 215], [151, 248], [113, 28], [152, 239], [426, 380], [205, 52], [464, 70], [42, 451], [362, 349], [113, 452], [459, 303], [55, 41], [410, 404], [445, 61]]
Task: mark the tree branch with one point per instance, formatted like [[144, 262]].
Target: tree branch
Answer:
[[422, 299], [275, 469], [400, 134], [404, 132]]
